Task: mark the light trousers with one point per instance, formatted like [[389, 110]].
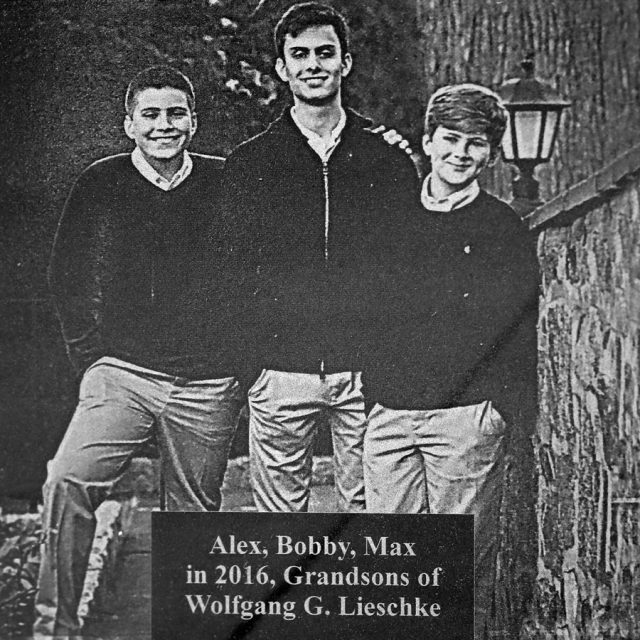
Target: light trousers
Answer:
[[442, 461], [286, 410], [120, 408]]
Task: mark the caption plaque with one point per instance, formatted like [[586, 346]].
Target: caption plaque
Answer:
[[261, 576]]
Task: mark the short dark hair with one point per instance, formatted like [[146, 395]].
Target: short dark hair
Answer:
[[158, 77], [304, 15], [470, 108]]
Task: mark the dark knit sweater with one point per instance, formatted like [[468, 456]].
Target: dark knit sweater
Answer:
[[304, 235], [139, 273], [458, 320]]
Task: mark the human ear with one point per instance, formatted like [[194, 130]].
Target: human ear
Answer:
[[281, 70], [347, 62], [426, 144], [128, 127]]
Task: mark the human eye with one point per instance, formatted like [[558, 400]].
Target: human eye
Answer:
[[298, 54], [327, 52], [149, 114]]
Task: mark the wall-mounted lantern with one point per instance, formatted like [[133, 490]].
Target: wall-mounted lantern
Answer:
[[534, 118]]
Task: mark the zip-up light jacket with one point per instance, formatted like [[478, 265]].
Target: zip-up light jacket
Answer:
[[308, 237]]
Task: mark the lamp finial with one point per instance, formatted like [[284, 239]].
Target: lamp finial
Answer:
[[528, 64]]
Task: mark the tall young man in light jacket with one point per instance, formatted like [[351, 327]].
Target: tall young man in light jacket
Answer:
[[310, 196]]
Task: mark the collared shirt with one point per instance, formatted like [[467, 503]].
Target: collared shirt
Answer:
[[451, 202], [324, 147], [148, 172]]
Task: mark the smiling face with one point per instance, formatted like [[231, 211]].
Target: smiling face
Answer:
[[457, 159], [162, 125], [314, 66]]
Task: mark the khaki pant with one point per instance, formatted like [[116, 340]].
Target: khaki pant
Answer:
[[121, 406], [285, 412], [442, 461]]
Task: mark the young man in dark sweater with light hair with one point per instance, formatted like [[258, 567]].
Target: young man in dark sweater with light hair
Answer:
[[143, 292], [453, 365]]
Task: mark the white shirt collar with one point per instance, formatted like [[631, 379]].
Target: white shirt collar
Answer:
[[148, 172], [324, 147], [454, 201]]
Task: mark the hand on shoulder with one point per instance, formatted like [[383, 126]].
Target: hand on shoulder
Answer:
[[393, 138]]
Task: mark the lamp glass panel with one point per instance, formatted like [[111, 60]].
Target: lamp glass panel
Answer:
[[549, 130], [507, 141], [527, 125]]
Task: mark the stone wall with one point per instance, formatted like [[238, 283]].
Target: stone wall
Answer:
[[588, 433]]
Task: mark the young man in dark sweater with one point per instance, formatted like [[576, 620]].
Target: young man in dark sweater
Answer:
[[306, 195], [453, 366], [144, 303]]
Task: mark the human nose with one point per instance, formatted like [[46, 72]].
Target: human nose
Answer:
[[461, 148], [313, 62], [163, 121]]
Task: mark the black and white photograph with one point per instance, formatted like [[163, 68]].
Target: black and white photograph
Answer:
[[320, 318]]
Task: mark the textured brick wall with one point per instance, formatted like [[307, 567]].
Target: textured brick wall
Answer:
[[588, 434]]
